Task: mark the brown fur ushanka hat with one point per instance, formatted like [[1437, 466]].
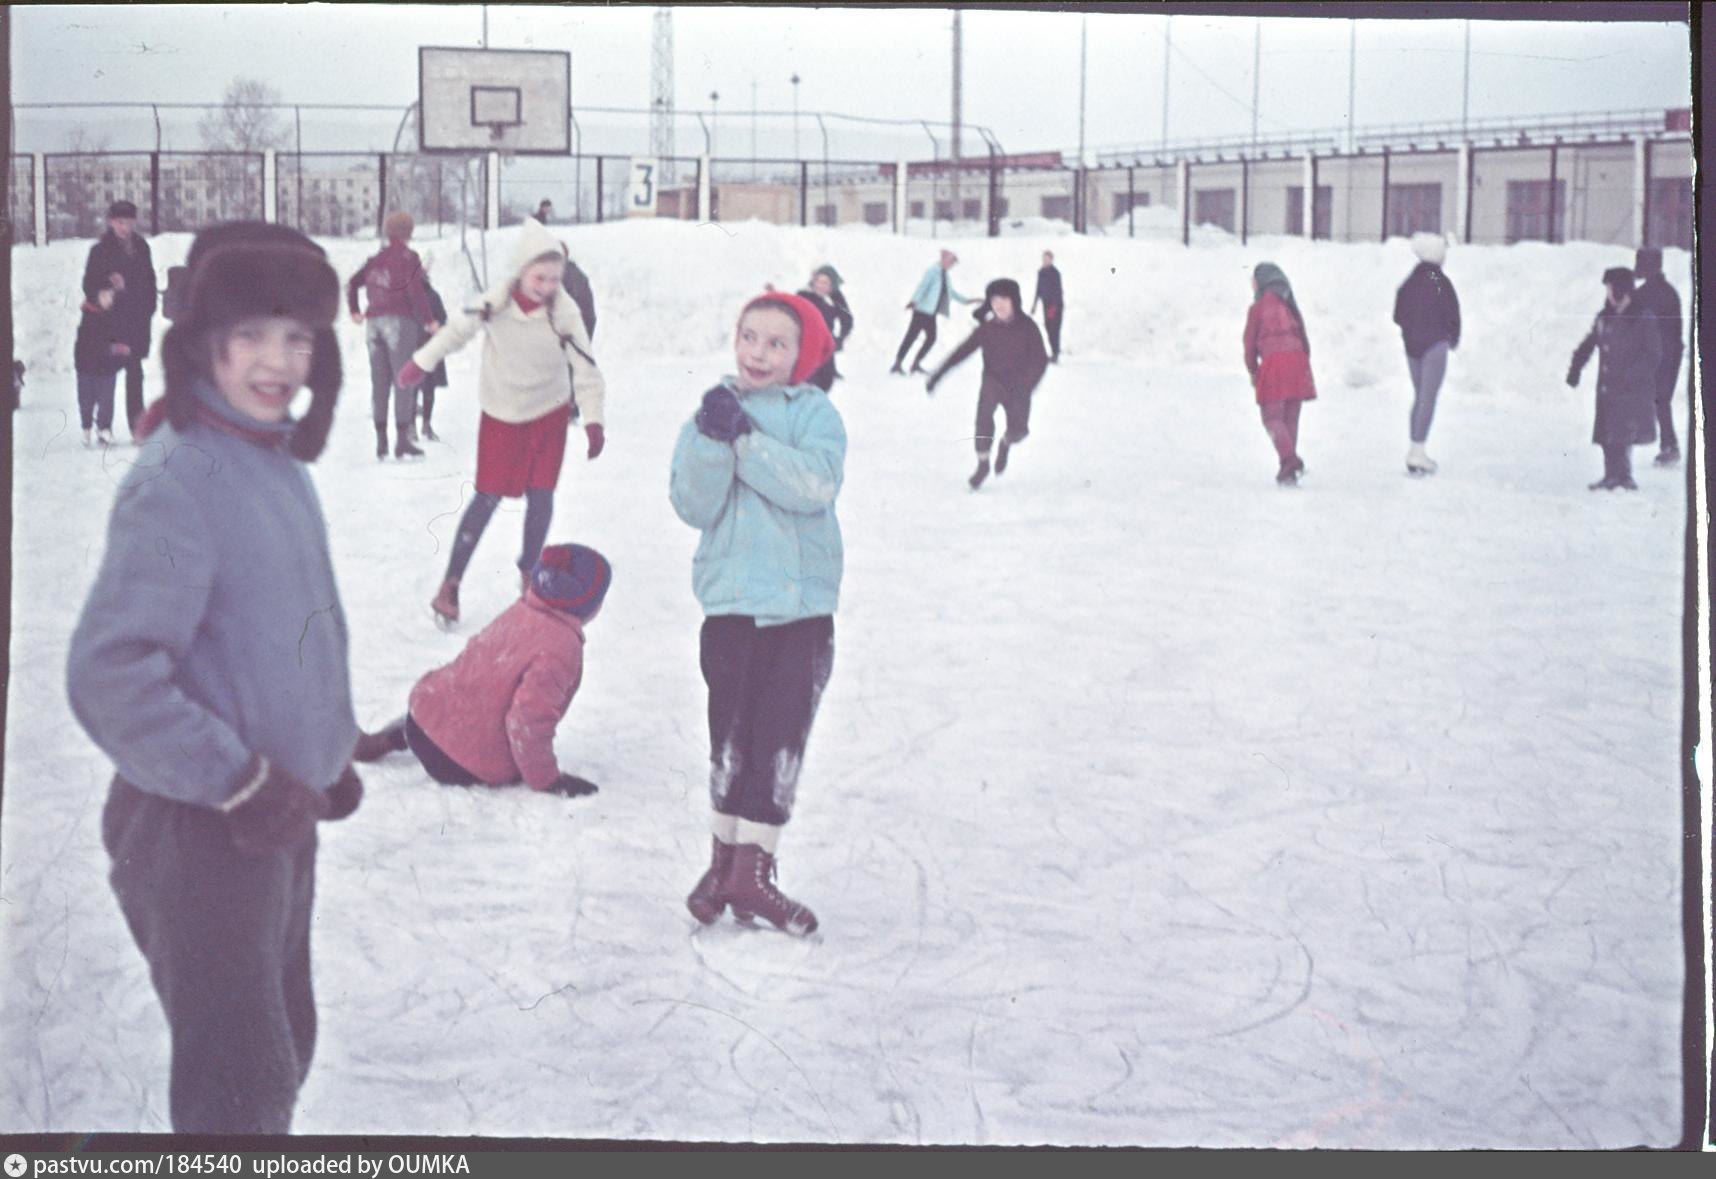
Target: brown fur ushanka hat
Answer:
[[243, 269]]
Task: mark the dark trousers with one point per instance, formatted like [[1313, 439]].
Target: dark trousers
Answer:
[[1053, 315], [95, 399], [1281, 419], [1017, 407], [227, 938], [426, 398], [920, 323], [1667, 376], [1617, 463], [133, 371], [435, 760], [764, 686]]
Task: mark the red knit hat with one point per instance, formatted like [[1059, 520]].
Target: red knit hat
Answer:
[[815, 343]]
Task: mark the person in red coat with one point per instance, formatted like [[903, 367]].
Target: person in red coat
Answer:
[[489, 716], [1278, 356]]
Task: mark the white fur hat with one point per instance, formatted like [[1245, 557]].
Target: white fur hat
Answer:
[[1430, 247]]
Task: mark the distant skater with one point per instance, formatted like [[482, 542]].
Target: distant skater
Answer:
[[1629, 350], [1014, 361], [1050, 295], [1428, 313], [824, 294], [1659, 301], [929, 303], [1278, 357]]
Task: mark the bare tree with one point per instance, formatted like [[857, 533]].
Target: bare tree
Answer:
[[247, 119], [75, 207]]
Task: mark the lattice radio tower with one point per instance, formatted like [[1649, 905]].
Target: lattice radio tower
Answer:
[[661, 87]]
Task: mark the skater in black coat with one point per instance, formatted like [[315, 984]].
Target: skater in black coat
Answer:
[[1629, 350], [823, 293], [1049, 294], [437, 376], [120, 262], [1657, 300], [1014, 361]]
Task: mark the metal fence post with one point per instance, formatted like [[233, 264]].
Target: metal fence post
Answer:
[[1131, 199], [1554, 153], [1244, 198], [994, 195], [598, 190], [1641, 190], [270, 185], [803, 193], [381, 187], [40, 171], [154, 193], [900, 207], [1384, 236], [1471, 184], [1184, 167], [491, 202], [705, 189]]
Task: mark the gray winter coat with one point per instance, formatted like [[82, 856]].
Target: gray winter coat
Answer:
[[1629, 348], [214, 628]]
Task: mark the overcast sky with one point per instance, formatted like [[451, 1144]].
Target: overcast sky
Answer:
[[1021, 68]]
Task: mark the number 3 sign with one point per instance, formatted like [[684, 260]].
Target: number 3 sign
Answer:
[[641, 189]]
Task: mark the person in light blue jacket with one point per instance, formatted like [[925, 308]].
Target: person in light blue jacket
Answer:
[[928, 302], [757, 470]]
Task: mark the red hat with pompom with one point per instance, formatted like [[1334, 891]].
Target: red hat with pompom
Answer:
[[815, 343]]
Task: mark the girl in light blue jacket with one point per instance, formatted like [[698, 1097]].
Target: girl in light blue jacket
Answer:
[[757, 469]]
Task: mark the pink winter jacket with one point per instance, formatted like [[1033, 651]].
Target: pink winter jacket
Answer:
[[494, 708]]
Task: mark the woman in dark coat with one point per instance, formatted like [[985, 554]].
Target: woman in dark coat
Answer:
[[1278, 356], [1629, 348]]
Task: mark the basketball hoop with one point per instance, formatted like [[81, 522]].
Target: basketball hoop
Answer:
[[494, 100]]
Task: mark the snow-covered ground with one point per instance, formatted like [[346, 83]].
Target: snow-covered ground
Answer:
[[1148, 803]]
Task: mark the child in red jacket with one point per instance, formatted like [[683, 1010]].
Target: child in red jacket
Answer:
[[1278, 356], [489, 716]]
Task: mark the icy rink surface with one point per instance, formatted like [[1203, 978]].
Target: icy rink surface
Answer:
[[1148, 803]]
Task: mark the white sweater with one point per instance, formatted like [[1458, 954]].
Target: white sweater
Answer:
[[524, 370]]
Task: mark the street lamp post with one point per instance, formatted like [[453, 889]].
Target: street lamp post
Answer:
[[714, 129]]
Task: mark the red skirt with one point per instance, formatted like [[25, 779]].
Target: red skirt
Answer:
[[1284, 376], [515, 456]]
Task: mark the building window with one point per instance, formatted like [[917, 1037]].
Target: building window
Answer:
[[971, 209], [875, 212], [1057, 208], [944, 210], [1670, 212], [1140, 200], [1213, 206], [1414, 208], [825, 215], [1322, 212], [1528, 210], [918, 209]]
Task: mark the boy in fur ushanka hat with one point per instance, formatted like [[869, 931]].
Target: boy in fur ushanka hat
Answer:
[[210, 665]]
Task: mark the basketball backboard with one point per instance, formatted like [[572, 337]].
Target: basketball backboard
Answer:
[[512, 100]]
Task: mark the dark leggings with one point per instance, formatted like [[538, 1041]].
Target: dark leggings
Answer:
[[435, 760], [765, 683], [1617, 463], [920, 323], [133, 370], [538, 514]]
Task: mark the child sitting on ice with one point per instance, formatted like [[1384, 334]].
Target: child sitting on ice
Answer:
[[489, 716], [757, 470], [1014, 361]]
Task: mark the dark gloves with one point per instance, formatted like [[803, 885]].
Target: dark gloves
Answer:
[[410, 375], [272, 810], [721, 416], [570, 786], [1573, 376], [344, 795], [929, 382], [593, 432]]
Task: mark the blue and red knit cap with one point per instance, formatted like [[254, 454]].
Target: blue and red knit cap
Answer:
[[815, 343], [572, 578]]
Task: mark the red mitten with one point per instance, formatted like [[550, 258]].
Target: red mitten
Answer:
[[410, 375], [593, 432]]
